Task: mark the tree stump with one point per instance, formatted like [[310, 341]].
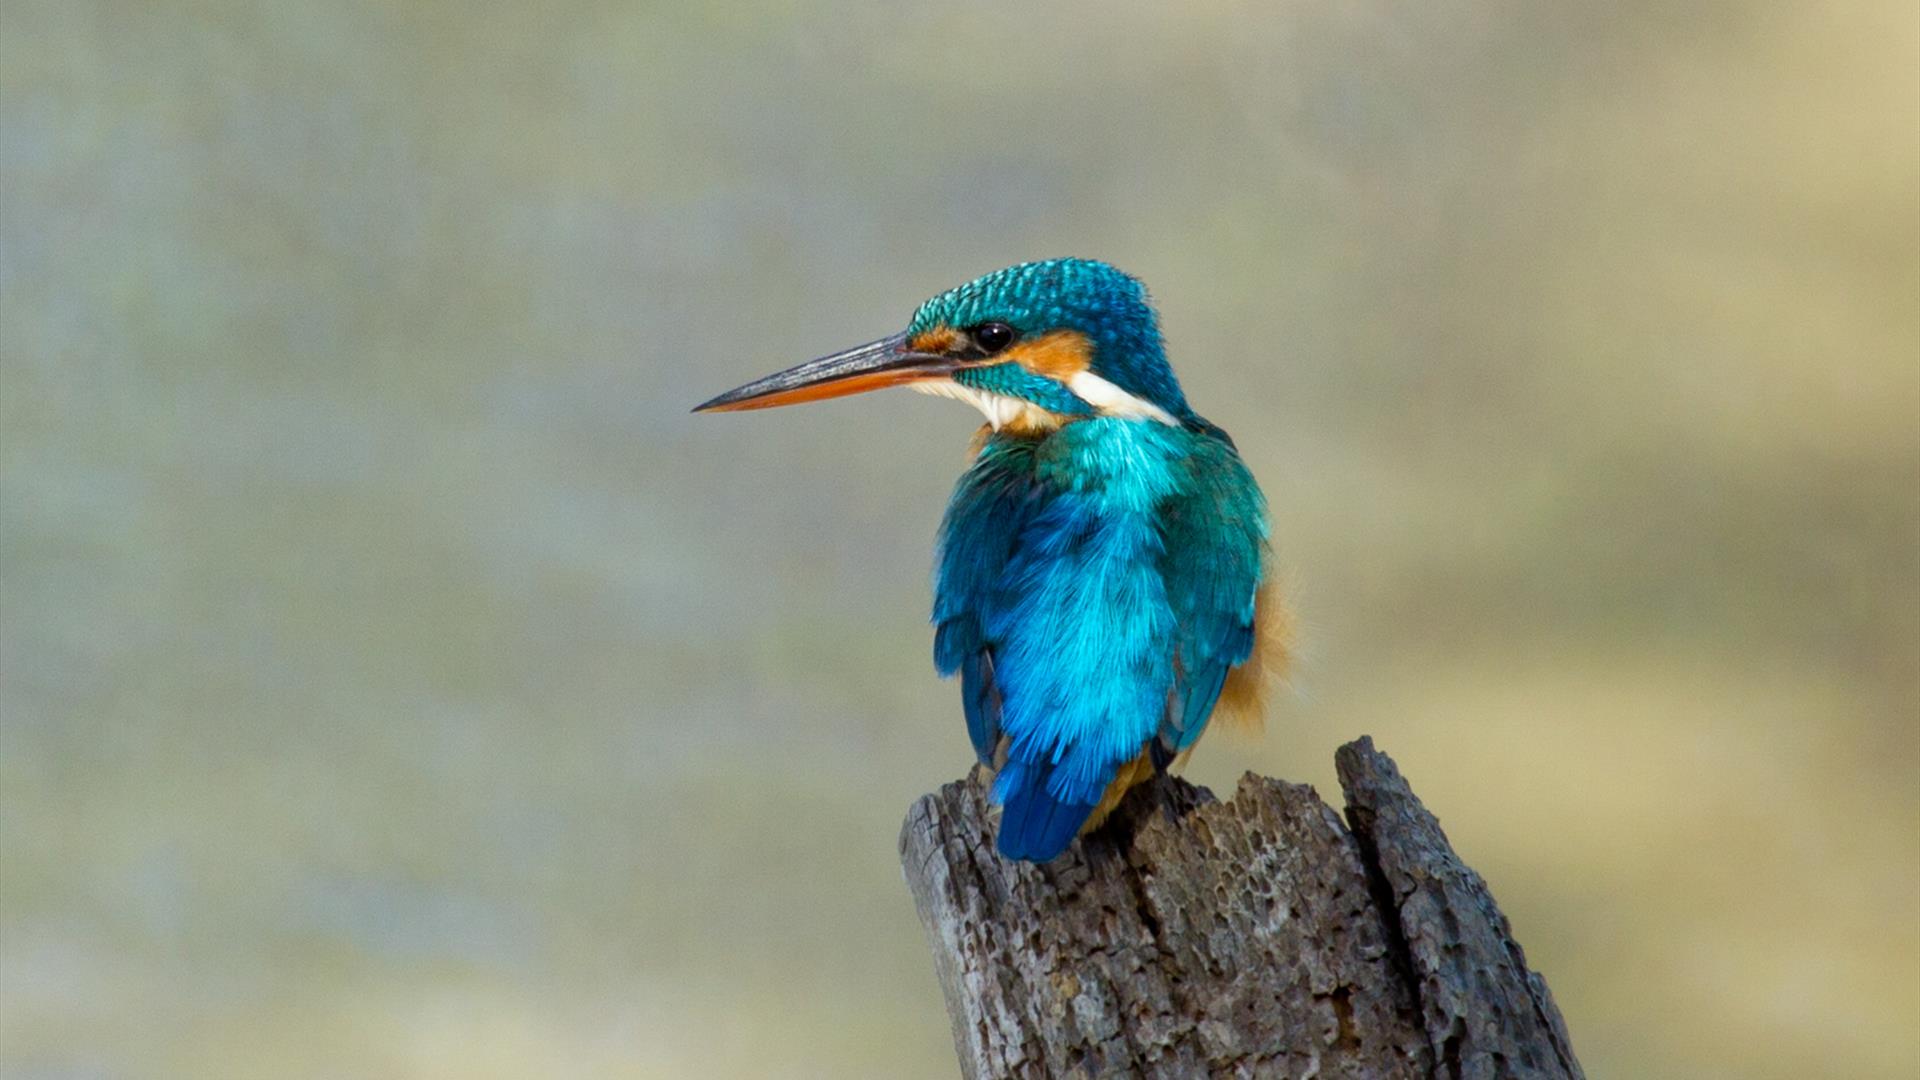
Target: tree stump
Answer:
[[1257, 937]]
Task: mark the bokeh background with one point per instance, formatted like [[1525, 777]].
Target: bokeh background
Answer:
[[395, 681]]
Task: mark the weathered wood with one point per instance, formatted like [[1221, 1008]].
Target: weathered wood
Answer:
[[1257, 937], [1485, 1013]]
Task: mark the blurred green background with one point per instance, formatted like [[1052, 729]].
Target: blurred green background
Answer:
[[396, 681]]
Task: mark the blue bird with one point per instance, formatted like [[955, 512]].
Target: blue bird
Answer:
[[1102, 584]]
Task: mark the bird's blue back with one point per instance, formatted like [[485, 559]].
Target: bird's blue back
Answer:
[[1093, 588]]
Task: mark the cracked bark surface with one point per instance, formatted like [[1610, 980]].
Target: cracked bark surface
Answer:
[[1261, 936]]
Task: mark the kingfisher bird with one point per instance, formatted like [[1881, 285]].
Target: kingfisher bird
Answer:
[[1102, 582]]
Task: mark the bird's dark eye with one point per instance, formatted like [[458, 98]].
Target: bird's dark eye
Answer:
[[993, 337]]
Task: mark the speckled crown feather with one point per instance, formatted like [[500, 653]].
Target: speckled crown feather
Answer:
[[1090, 297]]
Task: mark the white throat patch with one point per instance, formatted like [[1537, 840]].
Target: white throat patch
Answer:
[[1004, 411], [999, 409]]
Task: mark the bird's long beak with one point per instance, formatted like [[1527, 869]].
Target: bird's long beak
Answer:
[[891, 361]]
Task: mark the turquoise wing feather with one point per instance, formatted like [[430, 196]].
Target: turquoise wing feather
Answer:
[[1216, 535], [988, 512]]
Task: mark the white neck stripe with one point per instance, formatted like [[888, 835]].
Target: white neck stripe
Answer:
[[1114, 401]]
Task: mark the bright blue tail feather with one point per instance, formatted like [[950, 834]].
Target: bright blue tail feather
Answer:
[[1034, 825]]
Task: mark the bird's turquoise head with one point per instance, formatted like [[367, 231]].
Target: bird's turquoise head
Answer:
[[1034, 345]]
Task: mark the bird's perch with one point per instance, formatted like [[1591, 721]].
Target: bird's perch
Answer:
[[1257, 937]]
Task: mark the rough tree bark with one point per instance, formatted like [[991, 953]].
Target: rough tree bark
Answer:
[[1257, 937]]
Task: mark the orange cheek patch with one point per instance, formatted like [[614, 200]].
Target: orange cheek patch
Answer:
[[940, 339], [1059, 356]]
